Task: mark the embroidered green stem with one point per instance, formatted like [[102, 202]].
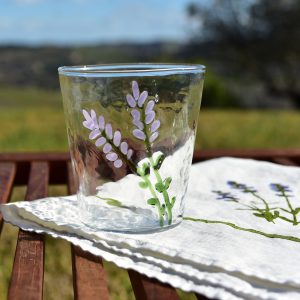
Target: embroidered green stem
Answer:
[[292, 211], [269, 235], [265, 213]]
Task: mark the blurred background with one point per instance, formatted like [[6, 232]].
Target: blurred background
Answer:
[[251, 94], [251, 49]]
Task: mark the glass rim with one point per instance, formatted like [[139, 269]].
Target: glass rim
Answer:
[[125, 69]]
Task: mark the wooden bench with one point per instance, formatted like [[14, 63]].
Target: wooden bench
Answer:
[[39, 170]]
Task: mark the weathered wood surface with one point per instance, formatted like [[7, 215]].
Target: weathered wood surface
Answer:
[[28, 269], [89, 278], [7, 175], [150, 289]]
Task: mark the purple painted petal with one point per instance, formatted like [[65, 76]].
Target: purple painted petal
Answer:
[[101, 123], [136, 114], [107, 147], [131, 102], [149, 106], [111, 156], [108, 131], [139, 134], [100, 142], [138, 124], [142, 98], [153, 137], [94, 134], [155, 125], [86, 115], [124, 147], [150, 117], [117, 138], [129, 153], [94, 118], [118, 163], [88, 124], [135, 90]]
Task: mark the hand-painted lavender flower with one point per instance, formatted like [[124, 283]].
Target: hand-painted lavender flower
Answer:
[[242, 187], [146, 121], [114, 149], [136, 98], [225, 196]]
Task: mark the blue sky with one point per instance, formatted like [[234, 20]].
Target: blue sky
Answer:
[[92, 21]]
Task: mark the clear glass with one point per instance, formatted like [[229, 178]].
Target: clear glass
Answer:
[[131, 131]]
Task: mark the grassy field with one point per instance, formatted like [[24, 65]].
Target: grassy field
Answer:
[[32, 120]]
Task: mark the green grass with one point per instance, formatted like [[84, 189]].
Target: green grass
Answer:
[[32, 120]]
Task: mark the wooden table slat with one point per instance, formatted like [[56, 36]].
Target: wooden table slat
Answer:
[[284, 161], [7, 175], [89, 278], [150, 289], [28, 269]]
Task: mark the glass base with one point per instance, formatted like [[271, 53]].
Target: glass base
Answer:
[[124, 219]]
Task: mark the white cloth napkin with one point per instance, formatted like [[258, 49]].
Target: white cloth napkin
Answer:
[[240, 238]]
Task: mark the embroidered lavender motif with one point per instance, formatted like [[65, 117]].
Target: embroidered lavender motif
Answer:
[[117, 151], [268, 213]]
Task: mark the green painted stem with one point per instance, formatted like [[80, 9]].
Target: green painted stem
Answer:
[[153, 193], [165, 193], [269, 235], [156, 173]]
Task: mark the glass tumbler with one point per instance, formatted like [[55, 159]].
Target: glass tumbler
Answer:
[[131, 131]]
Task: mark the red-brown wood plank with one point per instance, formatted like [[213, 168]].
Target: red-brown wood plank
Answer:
[[284, 161], [199, 154], [28, 269], [89, 278], [7, 175], [34, 156], [150, 289]]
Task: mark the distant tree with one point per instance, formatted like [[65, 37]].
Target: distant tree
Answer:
[[260, 36]]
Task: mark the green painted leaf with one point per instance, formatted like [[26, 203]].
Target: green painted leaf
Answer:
[[143, 184], [114, 202], [173, 201], [152, 201], [159, 187], [158, 162], [167, 182], [139, 171], [146, 167]]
